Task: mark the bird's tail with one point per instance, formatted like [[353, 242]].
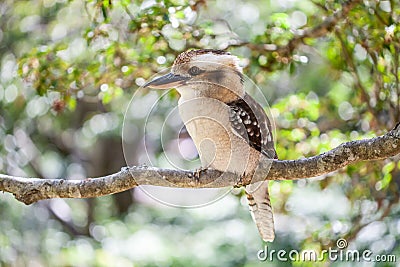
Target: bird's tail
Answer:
[[261, 210]]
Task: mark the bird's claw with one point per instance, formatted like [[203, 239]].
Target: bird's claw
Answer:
[[125, 168], [196, 173], [239, 182]]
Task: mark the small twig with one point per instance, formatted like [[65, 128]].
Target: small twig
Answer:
[[131, 16], [396, 75], [353, 70], [320, 30]]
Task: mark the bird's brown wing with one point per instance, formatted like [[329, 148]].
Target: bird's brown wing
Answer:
[[249, 120]]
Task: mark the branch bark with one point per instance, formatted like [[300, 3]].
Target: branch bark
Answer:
[[30, 190]]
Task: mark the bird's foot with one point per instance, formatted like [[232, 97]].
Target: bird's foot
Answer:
[[239, 182], [197, 172], [244, 179], [124, 169]]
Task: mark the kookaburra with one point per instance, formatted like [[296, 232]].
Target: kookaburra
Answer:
[[229, 128]]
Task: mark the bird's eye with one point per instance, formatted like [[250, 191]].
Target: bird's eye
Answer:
[[195, 71]]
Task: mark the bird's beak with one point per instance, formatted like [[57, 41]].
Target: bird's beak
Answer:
[[169, 80]]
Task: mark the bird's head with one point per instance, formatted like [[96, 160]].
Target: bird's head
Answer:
[[206, 72]]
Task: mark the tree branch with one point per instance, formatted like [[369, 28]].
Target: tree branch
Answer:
[[30, 190], [320, 30]]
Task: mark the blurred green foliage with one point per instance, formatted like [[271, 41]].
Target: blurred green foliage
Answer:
[[69, 69]]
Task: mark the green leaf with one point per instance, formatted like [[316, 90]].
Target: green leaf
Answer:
[[281, 20], [71, 103]]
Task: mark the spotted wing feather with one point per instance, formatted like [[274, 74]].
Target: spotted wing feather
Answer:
[[249, 120]]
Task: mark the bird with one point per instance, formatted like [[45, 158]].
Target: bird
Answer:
[[229, 128]]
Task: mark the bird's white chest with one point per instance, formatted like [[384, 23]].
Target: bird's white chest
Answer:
[[207, 121]]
